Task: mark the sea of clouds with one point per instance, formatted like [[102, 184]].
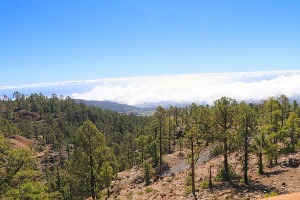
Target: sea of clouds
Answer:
[[176, 89]]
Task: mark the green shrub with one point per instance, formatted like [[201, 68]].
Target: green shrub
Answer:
[[188, 180], [129, 195], [204, 184], [287, 150], [188, 190], [271, 194], [242, 180], [169, 180], [149, 189], [147, 173], [221, 174], [297, 147], [217, 150]]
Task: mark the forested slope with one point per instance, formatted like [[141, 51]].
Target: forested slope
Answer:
[[60, 125], [78, 150]]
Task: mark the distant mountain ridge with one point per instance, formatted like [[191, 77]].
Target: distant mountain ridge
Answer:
[[146, 109], [121, 108]]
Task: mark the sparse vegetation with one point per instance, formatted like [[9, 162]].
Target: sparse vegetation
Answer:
[[204, 184], [187, 190], [129, 195], [171, 190], [271, 194], [169, 180], [150, 190]]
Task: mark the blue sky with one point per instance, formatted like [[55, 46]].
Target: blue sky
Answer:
[[54, 40]]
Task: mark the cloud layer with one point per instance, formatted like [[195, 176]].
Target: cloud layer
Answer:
[[199, 88], [183, 88]]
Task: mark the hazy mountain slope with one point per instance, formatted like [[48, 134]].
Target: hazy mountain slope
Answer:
[[121, 108]]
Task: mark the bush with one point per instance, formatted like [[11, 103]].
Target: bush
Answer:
[[217, 150], [129, 195], [188, 181], [204, 184], [287, 150], [147, 173], [150, 189], [242, 180], [221, 174], [271, 194], [169, 180], [188, 190], [297, 147]]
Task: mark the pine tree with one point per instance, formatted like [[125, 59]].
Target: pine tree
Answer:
[[224, 116], [246, 126], [88, 158], [160, 115]]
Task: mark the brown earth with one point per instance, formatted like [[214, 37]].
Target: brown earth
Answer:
[[279, 179], [21, 142], [176, 158]]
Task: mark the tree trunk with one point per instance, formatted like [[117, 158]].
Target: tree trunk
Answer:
[[193, 168], [260, 161], [276, 156], [292, 141], [131, 153], [142, 154], [246, 158], [160, 149], [261, 170], [91, 171], [180, 146], [226, 169], [210, 177], [176, 117], [169, 133], [155, 148]]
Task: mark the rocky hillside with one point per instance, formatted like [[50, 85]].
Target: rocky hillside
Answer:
[[277, 180]]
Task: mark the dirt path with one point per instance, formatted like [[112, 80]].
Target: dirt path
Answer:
[[203, 157]]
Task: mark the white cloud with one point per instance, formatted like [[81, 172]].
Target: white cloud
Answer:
[[182, 88], [199, 88]]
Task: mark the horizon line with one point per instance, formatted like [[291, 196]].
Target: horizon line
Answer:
[[87, 81]]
